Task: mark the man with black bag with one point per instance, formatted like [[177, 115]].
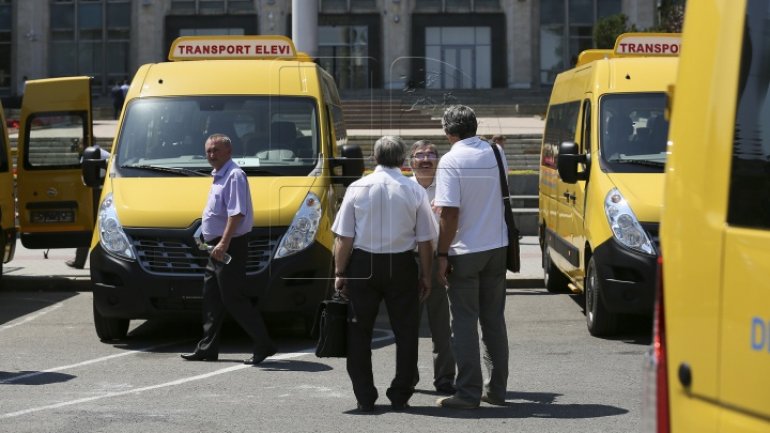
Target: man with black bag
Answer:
[[382, 218], [472, 250]]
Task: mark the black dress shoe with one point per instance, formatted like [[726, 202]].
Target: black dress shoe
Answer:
[[256, 359], [399, 406], [199, 356], [75, 264], [446, 388], [366, 407]]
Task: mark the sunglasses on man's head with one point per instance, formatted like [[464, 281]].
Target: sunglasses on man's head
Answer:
[[425, 155]]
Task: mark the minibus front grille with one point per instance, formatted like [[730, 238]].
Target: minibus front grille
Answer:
[[180, 257]]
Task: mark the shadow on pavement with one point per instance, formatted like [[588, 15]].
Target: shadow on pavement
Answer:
[[15, 304], [44, 283], [524, 410], [33, 378]]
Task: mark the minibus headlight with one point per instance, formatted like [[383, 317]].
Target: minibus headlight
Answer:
[[303, 228], [624, 225], [111, 235]]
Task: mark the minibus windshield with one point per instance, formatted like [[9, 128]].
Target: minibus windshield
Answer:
[[633, 133], [271, 135]]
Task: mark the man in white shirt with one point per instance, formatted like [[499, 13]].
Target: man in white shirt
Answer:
[[471, 255], [381, 220], [424, 160]]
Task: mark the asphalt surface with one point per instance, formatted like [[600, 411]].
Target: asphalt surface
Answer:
[[55, 375]]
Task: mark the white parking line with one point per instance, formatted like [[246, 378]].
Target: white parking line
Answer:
[[88, 362], [182, 381], [30, 317]]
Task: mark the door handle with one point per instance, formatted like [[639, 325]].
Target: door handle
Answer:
[[569, 196], [566, 195]]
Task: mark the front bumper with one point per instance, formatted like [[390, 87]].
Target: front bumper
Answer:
[[627, 278], [127, 289]]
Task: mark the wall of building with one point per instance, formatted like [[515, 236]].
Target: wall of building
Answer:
[[520, 58]]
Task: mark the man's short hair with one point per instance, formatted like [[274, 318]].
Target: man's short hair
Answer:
[[423, 143], [390, 151], [459, 120], [220, 138]]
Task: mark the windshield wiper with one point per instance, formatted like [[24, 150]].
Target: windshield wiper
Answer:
[[174, 170], [642, 162], [250, 171]]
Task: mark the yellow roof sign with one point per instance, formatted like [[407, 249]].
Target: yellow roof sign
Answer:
[[648, 44], [232, 47]]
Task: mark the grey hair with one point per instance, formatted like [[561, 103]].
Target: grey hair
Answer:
[[423, 143], [459, 120], [220, 138], [390, 151]]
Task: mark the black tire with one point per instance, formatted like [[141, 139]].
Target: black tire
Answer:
[[555, 281], [599, 320], [110, 329]]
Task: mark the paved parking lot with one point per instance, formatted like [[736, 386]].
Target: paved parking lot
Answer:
[[55, 376]]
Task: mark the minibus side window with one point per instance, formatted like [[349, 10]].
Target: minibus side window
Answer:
[[559, 127], [749, 201], [54, 140]]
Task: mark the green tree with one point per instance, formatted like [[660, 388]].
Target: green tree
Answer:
[[671, 16], [608, 29], [670, 19]]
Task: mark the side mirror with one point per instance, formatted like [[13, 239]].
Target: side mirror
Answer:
[[352, 163], [567, 163], [94, 167]]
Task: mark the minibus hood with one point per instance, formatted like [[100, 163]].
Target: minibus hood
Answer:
[[177, 202], [643, 192]]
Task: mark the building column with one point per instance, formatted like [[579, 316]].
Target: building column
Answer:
[[30, 52], [396, 37], [147, 46], [304, 26], [518, 17], [271, 17]]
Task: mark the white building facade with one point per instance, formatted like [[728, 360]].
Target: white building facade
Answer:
[[365, 44]]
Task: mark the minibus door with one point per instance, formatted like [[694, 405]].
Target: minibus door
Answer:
[[577, 193], [745, 321], [56, 210]]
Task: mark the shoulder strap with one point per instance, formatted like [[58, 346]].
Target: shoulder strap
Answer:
[[508, 213]]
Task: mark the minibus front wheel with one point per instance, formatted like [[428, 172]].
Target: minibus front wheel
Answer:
[[108, 328], [599, 320]]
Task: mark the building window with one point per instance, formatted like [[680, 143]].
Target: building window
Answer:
[[6, 24], [343, 51], [456, 6], [90, 37], [338, 6], [212, 7], [566, 29], [458, 58]]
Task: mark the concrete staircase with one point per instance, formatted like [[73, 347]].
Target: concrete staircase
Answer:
[[415, 115]]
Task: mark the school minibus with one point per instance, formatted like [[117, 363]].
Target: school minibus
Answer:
[[601, 177], [56, 210], [284, 117], [708, 370]]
